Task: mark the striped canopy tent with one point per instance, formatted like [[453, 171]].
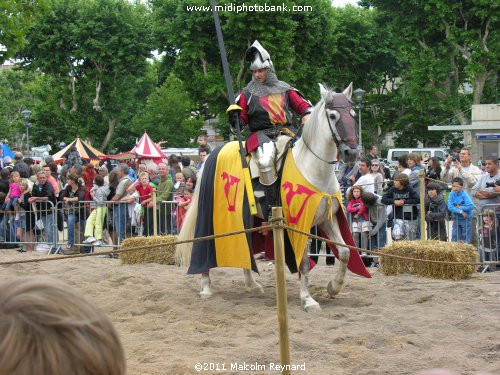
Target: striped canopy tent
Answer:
[[85, 150], [146, 149]]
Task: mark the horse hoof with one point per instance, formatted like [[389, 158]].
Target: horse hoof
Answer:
[[311, 307], [204, 294], [255, 288], [334, 289]]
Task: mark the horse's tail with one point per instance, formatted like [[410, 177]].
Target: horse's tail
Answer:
[[183, 251]]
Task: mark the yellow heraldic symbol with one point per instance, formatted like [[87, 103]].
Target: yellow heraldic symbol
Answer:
[[300, 201]]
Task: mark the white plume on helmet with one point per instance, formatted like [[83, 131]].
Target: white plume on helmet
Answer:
[[258, 57]]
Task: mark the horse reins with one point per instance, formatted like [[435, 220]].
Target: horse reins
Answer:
[[335, 135]]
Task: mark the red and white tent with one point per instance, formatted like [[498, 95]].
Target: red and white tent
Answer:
[[147, 149]]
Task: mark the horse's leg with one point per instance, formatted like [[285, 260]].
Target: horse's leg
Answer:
[[306, 301], [332, 231], [250, 283], [206, 285]]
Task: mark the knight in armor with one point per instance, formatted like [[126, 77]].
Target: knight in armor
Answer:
[[267, 105]]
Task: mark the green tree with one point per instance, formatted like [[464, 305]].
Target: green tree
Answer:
[[16, 17], [168, 115], [96, 51]]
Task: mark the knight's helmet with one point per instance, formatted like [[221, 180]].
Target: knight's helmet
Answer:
[[258, 57]]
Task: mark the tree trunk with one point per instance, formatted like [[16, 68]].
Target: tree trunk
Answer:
[[109, 134], [479, 82]]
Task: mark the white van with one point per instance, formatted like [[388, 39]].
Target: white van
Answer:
[[394, 153]]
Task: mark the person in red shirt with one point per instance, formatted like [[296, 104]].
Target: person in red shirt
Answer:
[[267, 105], [145, 199]]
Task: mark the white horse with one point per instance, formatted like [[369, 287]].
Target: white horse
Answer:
[[329, 132]]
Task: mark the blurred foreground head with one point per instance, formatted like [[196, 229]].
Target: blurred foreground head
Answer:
[[48, 327]]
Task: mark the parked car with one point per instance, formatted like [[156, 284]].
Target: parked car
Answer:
[[394, 153]]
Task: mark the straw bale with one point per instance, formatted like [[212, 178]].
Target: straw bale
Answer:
[[162, 253], [429, 250]]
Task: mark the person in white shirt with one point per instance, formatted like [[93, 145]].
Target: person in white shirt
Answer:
[[366, 179], [463, 168]]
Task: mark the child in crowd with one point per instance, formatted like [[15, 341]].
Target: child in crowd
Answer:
[[95, 221], [182, 206], [487, 232], [179, 184], [12, 198], [361, 224], [146, 200], [178, 192], [462, 207], [404, 199], [435, 213]]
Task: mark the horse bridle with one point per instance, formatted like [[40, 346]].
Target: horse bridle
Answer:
[[335, 134]]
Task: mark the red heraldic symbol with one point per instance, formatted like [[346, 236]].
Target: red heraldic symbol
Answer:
[[297, 194], [230, 190]]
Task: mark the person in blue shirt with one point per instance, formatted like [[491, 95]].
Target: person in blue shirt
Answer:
[[462, 207]]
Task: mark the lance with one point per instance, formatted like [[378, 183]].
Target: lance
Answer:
[[232, 101]]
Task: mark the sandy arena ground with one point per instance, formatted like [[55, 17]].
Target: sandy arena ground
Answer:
[[383, 325]]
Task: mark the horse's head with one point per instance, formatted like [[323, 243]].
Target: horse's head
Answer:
[[341, 121]]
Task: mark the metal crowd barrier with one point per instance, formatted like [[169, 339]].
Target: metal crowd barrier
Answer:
[[63, 227]]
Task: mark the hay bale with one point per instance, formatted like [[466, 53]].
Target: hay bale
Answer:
[[162, 250], [429, 250]]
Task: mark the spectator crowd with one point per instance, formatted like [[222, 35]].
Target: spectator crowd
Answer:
[[90, 203], [102, 204]]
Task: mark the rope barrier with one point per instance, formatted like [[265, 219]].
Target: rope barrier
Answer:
[[277, 221]]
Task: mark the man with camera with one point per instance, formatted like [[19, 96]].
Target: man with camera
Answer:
[[487, 189], [487, 192], [463, 168]]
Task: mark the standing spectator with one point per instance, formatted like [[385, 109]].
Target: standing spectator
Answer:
[[164, 194], [378, 178], [433, 170], [462, 167], [73, 159], [103, 172], [51, 179], [153, 174], [28, 220], [487, 191], [44, 197], [183, 203], [95, 221], [21, 166], [488, 236], [203, 141], [486, 188], [146, 200], [120, 209], [435, 213], [366, 179], [72, 195], [373, 153], [461, 205], [361, 224], [403, 165], [173, 163], [191, 183], [404, 199], [88, 176], [378, 218], [7, 161], [187, 169], [384, 169], [203, 152], [415, 167]]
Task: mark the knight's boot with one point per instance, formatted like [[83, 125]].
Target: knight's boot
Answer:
[[266, 155]]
